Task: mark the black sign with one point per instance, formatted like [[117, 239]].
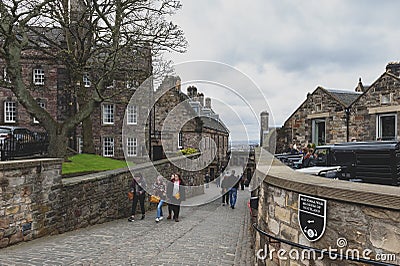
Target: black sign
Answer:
[[312, 216]]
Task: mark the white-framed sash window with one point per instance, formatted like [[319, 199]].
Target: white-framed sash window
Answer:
[[10, 112], [108, 114], [131, 115], [108, 147], [131, 147]]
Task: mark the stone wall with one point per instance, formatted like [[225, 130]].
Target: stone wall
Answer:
[[365, 215], [35, 201], [30, 199]]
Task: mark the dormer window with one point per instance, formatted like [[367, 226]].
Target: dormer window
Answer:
[[38, 76]]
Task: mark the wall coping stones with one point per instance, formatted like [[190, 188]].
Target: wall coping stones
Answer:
[[20, 164], [280, 175], [107, 174]]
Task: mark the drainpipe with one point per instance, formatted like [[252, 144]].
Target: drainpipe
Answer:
[[347, 111]]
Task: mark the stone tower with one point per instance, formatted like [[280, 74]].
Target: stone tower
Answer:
[[264, 127]]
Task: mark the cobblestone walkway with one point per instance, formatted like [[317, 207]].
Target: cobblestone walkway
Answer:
[[209, 234]]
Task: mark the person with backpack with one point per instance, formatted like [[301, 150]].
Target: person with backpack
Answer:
[[159, 190], [138, 186]]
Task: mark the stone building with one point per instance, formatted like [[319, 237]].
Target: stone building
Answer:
[[50, 83], [331, 116], [183, 121]]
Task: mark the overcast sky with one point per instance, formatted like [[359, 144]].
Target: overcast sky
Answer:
[[288, 48]]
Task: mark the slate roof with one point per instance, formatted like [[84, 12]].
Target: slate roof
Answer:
[[345, 97], [212, 123]]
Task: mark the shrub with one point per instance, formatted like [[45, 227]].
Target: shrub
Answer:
[[189, 151]]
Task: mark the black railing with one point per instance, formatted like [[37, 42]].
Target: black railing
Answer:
[[23, 144]]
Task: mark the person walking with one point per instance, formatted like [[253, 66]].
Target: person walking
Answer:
[[225, 190], [159, 190], [242, 179], [169, 204], [207, 179], [176, 194], [138, 186], [234, 185]]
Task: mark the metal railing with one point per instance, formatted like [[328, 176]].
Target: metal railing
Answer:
[[23, 144]]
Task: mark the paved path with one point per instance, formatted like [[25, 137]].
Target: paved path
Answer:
[[210, 234]]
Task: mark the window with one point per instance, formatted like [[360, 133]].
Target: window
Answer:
[[38, 76], [131, 115], [318, 131], [42, 105], [318, 107], [79, 144], [387, 127], [108, 114], [180, 140], [131, 147], [10, 112], [385, 98], [129, 84], [108, 147], [86, 80], [6, 78]]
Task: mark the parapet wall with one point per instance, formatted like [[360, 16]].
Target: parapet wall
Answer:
[[30, 199], [35, 201], [361, 219]]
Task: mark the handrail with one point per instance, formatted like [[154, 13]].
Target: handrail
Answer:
[[320, 251]]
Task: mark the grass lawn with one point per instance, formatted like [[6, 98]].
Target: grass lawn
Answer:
[[82, 163]]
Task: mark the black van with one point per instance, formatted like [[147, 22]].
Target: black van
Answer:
[[371, 162]]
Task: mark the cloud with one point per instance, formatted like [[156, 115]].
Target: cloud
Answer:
[[289, 47]]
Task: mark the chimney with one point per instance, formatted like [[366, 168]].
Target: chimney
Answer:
[[393, 68], [201, 99], [208, 103], [264, 127], [192, 92], [178, 83]]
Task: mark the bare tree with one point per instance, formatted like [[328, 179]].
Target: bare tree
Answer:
[[88, 37]]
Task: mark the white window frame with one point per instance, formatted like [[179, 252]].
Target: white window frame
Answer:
[[108, 111], [318, 107], [131, 147], [379, 125], [180, 140], [108, 146], [42, 105], [10, 112], [131, 114], [129, 84], [79, 143], [6, 78], [386, 98], [314, 133], [86, 80], [38, 76]]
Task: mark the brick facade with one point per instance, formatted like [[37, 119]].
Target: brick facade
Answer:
[[61, 103]]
